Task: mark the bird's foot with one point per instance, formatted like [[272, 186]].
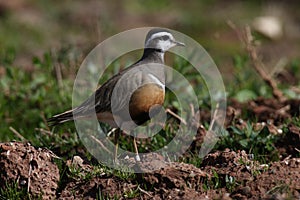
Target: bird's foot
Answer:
[[137, 158]]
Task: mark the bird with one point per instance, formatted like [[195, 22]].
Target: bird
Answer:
[[146, 77]]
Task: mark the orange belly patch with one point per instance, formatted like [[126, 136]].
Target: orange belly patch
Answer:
[[144, 98]]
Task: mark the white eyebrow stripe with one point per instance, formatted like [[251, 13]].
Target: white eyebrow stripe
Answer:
[[159, 34], [157, 81]]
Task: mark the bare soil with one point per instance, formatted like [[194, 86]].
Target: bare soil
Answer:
[[32, 169], [222, 174]]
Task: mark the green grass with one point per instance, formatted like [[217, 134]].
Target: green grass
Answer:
[[13, 191], [281, 188], [220, 181], [30, 97], [257, 142]]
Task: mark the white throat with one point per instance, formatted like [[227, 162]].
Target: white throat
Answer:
[[161, 55]]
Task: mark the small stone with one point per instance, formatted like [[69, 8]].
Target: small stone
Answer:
[[246, 190], [77, 161], [279, 131]]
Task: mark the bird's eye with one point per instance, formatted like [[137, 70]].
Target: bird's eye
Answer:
[[165, 37]]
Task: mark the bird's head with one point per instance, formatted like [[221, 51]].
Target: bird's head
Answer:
[[161, 39]]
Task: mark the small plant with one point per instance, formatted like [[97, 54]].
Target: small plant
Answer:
[[280, 189], [12, 191], [257, 142], [132, 193], [245, 85], [214, 182], [230, 183], [191, 158], [100, 196]]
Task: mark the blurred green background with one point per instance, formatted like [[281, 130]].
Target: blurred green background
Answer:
[[33, 27], [42, 44]]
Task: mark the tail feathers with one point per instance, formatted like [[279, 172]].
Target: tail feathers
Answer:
[[61, 118]]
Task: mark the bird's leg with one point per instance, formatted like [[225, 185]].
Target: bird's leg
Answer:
[[117, 136], [137, 157]]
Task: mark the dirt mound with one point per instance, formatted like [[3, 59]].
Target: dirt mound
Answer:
[[247, 179], [30, 168], [280, 180], [173, 180], [222, 175]]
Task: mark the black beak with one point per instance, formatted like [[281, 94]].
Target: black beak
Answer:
[[179, 43]]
